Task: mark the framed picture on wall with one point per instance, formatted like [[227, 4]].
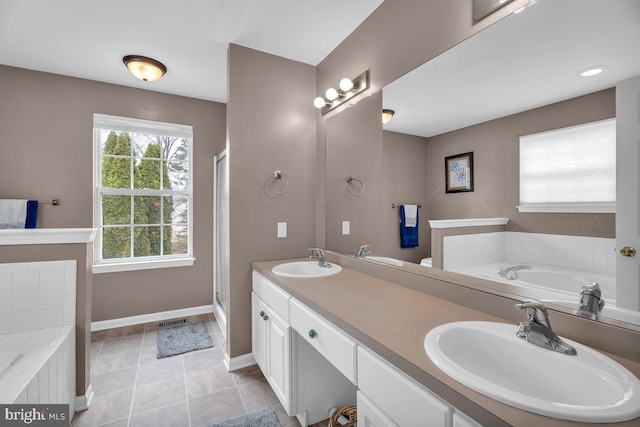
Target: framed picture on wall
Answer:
[[459, 172], [482, 8]]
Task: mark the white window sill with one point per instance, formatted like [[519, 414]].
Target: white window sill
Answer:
[[142, 265], [568, 207]]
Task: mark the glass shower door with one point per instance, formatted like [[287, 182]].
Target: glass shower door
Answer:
[[220, 232]]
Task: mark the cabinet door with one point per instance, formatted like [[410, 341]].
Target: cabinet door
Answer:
[[259, 331], [279, 358], [369, 415]]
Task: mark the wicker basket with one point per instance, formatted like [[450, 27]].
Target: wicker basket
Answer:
[[349, 412]]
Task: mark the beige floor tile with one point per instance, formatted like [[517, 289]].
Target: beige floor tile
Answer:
[[175, 415], [114, 381], [159, 394], [105, 409], [124, 332], [207, 382], [160, 369], [257, 394], [202, 360], [249, 373], [120, 423], [216, 407], [116, 361], [124, 344]]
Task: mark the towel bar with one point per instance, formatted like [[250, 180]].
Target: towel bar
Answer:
[[54, 202], [393, 205]]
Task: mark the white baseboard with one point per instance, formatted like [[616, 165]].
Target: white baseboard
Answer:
[[151, 317], [83, 402], [238, 362]]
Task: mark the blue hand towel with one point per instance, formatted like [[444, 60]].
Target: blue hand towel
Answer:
[[408, 235], [32, 214]]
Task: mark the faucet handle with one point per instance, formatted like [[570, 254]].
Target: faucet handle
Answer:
[[532, 307]]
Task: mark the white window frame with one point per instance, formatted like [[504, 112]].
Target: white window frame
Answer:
[[565, 207], [126, 124]]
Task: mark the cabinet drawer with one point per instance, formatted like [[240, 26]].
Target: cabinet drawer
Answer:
[[332, 343], [259, 285], [401, 398], [278, 300]]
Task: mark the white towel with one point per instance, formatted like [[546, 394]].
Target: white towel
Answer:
[[13, 213], [410, 215]]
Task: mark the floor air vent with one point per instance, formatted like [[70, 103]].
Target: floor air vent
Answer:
[[172, 322]]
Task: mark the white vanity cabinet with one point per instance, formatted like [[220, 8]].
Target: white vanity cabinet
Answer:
[[271, 337], [405, 402]]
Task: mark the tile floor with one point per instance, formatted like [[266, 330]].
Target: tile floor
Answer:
[[133, 388]]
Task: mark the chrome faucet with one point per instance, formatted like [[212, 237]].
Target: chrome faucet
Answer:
[[591, 302], [511, 272], [362, 251], [318, 255], [538, 331]]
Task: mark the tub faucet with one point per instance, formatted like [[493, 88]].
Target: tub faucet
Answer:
[[318, 255], [362, 251], [538, 332], [511, 272], [591, 303]]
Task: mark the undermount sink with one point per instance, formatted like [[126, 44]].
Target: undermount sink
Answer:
[[386, 260], [488, 358], [305, 269]]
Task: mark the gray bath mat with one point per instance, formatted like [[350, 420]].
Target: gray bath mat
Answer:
[[183, 339], [264, 417]]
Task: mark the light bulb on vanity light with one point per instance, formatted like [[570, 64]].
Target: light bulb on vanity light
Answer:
[[331, 94], [319, 102], [346, 84]]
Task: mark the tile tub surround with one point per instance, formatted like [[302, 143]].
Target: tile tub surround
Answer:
[[194, 389], [587, 254], [391, 311], [37, 295], [45, 371]]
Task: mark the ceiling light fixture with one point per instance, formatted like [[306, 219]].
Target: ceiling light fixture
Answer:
[[592, 71], [348, 89], [387, 115], [146, 69]]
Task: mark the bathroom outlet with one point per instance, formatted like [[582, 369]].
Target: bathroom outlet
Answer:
[[282, 230], [346, 228]]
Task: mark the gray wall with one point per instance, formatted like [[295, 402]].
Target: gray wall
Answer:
[[496, 183], [404, 181], [271, 126], [46, 140]]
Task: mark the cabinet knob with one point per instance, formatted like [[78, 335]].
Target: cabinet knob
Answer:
[[265, 317], [262, 313], [312, 334], [628, 251]]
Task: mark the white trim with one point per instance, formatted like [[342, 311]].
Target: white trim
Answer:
[[128, 124], [238, 362], [568, 207], [101, 325], [83, 402], [221, 317], [471, 222], [142, 265], [47, 236]]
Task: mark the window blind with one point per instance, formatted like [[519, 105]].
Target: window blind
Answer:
[[571, 169]]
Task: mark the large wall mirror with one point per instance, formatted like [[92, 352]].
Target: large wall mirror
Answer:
[[519, 77]]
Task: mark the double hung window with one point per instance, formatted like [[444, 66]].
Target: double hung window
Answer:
[[143, 193]]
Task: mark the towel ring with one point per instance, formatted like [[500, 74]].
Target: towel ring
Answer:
[[352, 179], [276, 176]]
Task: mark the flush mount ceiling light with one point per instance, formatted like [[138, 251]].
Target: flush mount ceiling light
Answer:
[[387, 115], [146, 69], [592, 71], [348, 89]]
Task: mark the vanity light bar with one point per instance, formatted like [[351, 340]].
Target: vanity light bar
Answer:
[[348, 89]]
